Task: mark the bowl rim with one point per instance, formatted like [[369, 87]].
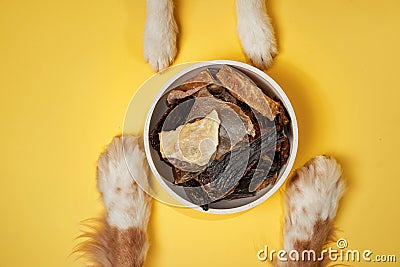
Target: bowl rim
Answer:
[[294, 142]]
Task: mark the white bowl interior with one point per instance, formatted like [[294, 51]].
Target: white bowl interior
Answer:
[[163, 172]]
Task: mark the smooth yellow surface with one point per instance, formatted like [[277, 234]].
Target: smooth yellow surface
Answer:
[[69, 69]]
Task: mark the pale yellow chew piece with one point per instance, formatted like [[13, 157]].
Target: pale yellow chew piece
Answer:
[[193, 142]]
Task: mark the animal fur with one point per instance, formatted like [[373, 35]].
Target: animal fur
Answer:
[[253, 26], [119, 239], [311, 202]]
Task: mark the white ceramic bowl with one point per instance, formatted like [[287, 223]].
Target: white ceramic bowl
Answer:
[[163, 173]]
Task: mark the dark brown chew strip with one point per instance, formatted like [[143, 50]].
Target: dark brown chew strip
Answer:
[[223, 175], [241, 190], [265, 177], [246, 91], [221, 93], [153, 135], [181, 177], [196, 194]]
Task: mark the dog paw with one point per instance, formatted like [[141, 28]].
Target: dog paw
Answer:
[[160, 42], [318, 185], [120, 167], [258, 41]]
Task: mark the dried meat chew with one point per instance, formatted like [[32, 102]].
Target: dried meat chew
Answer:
[[221, 93], [230, 113], [190, 87], [184, 90], [221, 177], [181, 177], [194, 142], [252, 145], [204, 76], [235, 124], [246, 91], [170, 120]]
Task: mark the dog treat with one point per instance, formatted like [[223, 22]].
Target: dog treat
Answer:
[[222, 136], [204, 76], [222, 172], [246, 91], [203, 93], [181, 176], [221, 93], [221, 177], [184, 90], [196, 194], [241, 190], [191, 86], [194, 143], [233, 119], [170, 120]]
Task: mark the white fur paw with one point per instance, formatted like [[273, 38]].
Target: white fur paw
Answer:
[[160, 35], [125, 202], [318, 186], [258, 40], [312, 196]]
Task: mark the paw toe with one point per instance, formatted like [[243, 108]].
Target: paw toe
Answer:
[[160, 62], [262, 61]]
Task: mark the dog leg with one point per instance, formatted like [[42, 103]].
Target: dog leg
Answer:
[[160, 34], [311, 203], [255, 32], [119, 239]]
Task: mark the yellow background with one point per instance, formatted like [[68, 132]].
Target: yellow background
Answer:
[[69, 68]]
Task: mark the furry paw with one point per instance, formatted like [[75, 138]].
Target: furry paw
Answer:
[[318, 187], [119, 166], [160, 35], [311, 203], [258, 41]]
